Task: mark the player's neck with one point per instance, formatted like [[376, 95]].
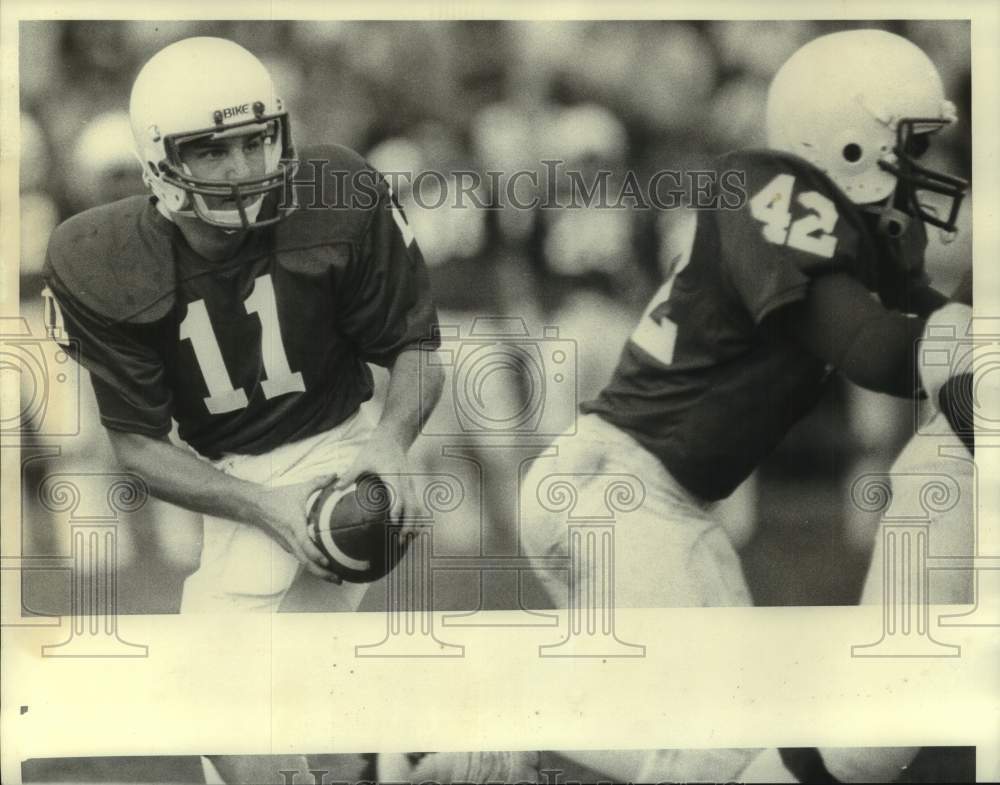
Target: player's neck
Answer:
[[207, 241]]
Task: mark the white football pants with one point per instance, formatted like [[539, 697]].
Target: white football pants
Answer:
[[668, 550], [242, 568]]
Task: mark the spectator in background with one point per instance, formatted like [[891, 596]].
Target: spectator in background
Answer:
[[592, 277], [105, 167]]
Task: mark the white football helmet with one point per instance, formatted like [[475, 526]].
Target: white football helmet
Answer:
[[210, 87], [859, 105]]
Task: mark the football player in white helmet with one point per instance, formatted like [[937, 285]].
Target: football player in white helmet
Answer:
[[861, 107], [173, 128], [763, 304], [217, 304]]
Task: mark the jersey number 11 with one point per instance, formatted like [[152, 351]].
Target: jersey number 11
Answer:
[[222, 396]]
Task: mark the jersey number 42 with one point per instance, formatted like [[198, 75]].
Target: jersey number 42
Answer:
[[657, 333], [810, 233]]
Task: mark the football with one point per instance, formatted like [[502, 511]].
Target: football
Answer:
[[352, 527]]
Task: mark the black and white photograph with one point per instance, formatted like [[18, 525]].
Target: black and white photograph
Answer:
[[930, 764], [351, 361]]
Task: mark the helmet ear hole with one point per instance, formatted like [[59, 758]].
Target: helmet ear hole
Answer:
[[852, 152]]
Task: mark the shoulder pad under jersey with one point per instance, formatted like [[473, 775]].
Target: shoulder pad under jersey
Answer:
[[818, 230], [116, 259], [337, 193]]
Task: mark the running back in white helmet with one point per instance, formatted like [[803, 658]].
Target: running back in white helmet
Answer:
[[210, 88], [860, 105]]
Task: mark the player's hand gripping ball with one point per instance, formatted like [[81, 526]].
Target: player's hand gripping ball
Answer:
[[352, 527]]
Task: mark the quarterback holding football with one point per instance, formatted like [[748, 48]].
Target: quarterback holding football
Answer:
[[229, 302], [820, 270]]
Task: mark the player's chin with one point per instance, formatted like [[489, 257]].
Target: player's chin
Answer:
[[228, 203]]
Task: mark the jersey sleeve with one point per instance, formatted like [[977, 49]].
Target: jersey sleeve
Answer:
[[127, 374], [842, 324], [788, 230], [385, 300]]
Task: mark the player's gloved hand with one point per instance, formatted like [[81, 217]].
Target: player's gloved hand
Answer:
[[477, 767], [385, 456], [282, 513]]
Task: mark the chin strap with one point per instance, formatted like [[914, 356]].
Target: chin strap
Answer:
[[200, 209], [224, 216], [229, 217], [161, 208]]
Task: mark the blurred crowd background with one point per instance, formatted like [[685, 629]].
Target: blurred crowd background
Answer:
[[503, 96]]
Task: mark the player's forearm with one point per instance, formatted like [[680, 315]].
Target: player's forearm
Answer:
[[840, 323], [412, 394], [881, 355], [178, 477]]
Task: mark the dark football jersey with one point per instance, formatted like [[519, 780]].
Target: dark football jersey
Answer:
[[704, 383], [257, 350]]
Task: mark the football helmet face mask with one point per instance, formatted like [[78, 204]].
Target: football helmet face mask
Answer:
[[861, 106], [226, 92], [913, 178]]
